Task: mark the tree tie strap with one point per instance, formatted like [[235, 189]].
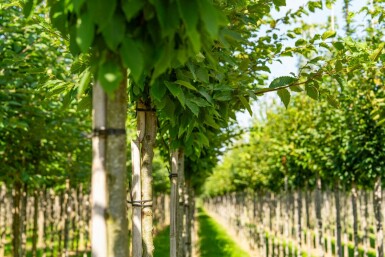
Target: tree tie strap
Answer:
[[173, 175], [140, 203], [104, 132]]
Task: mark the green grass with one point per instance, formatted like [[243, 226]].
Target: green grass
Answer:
[[162, 243], [214, 240]]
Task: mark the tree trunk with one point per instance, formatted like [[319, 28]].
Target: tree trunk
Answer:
[[3, 218], [109, 222], [16, 220], [180, 212], [23, 220], [338, 219], [137, 247], [299, 223], [287, 210], [66, 220], [147, 155], [319, 230], [173, 204], [355, 219], [189, 219], [365, 224], [378, 216], [35, 222]]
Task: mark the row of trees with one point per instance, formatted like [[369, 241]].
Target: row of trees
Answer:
[[184, 75]]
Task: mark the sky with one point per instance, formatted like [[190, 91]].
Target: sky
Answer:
[[289, 64]]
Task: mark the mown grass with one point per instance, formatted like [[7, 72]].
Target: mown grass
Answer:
[[162, 243], [214, 240]]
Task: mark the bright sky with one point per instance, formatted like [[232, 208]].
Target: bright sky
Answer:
[[289, 64]]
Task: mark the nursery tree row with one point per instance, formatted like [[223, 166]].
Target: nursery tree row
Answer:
[[183, 76]]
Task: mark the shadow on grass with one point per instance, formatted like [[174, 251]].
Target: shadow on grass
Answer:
[[214, 240], [162, 243]]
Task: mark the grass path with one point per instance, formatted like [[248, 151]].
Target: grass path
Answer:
[[214, 241], [162, 243]]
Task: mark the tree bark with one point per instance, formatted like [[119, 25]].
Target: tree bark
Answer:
[[137, 247], [299, 223], [109, 222], [16, 220], [378, 216], [180, 212], [355, 219], [147, 155], [319, 230], [189, 219], [35, 222], [173, 204], [365, 224], [3, 218], [338, 219]]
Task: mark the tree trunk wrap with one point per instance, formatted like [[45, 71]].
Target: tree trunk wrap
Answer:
[[137, 246], [99, 175], [147, 155], [377, 197], [173, 204]]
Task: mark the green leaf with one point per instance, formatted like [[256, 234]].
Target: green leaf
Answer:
[[210, 17], [185, 84], [332, 101], [282, 81], [85, 32], [377, 52], [109, 75], [74, 47], [113, 32], [296, 88], [101, 11], [338, 66], [300, 42], [195, 39], [85, 103], [132, 57], [78, 4], [193, 107], [203, 139], [163, 62], [158, 90], [28, 7], [284, 95], [209, 120], [189, 12], [338, 45], [84, 82], [279, 3], [328, 34], [207, 96], [132, 7], [168, 17], [246, 104], [177, 92], [312, 92], [203, 75]]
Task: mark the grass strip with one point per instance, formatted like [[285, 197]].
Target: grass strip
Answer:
[[214, 240], [162, 243]]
